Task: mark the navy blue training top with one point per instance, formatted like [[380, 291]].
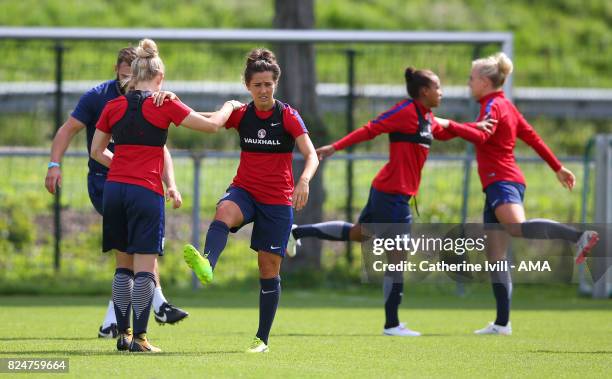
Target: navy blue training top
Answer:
[[88, 111]]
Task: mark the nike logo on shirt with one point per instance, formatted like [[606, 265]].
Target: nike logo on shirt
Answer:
[[267, 292]]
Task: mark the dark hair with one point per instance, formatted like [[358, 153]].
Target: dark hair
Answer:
[[261, 60], [126, 55], [417, 79]]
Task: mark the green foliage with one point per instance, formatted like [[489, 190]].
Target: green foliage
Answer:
[[17, 228], [31, 129], [557, 42]]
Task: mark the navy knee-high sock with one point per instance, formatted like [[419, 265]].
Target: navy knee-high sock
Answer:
[[541, 228], [216, 239], [144, 286], [393, 290], [123, 284], [502, 290], [268, 302], [331, 230]]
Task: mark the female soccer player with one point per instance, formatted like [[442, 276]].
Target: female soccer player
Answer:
[[262, 191], [85, 116], [411, 127], [133, 212], [503, 182]]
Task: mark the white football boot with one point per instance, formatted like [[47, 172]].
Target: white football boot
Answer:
[[495, 329], [401, 331]]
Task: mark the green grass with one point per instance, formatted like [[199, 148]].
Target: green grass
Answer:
[[323, 334]]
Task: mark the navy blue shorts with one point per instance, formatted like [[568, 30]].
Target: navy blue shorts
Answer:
[[386, 208], [95, 187], [499, 193], [133, 219], [271, 223]]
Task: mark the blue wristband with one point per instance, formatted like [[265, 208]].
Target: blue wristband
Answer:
[[53, 164]]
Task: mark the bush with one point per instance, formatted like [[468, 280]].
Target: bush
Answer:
[[16, 223]]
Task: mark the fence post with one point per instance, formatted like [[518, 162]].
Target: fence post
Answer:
[[57, 216], [469, 154], [195, 212], [584, 287], [467, 172], [602, 253], [350, 105]]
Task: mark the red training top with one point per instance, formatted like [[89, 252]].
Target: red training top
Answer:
[[495, 152], [411, 127], [140, 164], [266, 140]]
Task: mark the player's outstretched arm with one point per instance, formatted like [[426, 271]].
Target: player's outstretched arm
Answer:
[[214, 122], [302, 188], [475, 132], [60, 144], [528, 135], [325, 152]]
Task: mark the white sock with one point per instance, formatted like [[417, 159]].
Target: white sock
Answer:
[[158, 299], [110, 315]]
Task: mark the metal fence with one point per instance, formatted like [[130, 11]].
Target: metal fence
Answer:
[[450, 191]]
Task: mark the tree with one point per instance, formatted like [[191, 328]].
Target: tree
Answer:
[[298, 87]]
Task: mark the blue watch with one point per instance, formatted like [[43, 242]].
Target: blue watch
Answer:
[[53, 164]]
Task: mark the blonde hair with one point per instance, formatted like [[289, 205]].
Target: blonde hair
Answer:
[[496, 67], [147, 63]]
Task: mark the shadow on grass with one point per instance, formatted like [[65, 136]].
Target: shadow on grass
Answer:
[[570, 352], [48, 339], [68, 353], [526, 297], [354, 335]]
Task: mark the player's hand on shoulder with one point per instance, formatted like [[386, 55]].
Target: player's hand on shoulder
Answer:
[[442, 122], [235, 104], [160, 96], [486, 125], [53, 179], [174, 195], [325, 152]]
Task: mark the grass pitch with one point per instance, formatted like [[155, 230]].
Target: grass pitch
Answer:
[[326, 334]]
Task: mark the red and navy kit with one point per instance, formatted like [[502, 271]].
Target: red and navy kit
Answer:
[[133, 202], [139, 155], [495, 152], [267, 139], [411, 128]]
